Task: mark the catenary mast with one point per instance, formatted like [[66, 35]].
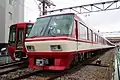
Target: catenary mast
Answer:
[[44, 4]]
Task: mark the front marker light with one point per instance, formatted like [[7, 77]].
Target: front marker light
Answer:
[[30, 48], [56, 47]]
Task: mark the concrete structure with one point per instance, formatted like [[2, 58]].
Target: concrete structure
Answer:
[[114, 39], [114, 36], [11, 11]]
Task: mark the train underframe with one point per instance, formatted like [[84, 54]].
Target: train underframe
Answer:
[[18, 55], [59, 60]]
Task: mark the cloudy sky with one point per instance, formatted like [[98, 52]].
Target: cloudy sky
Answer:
[[104, 21]]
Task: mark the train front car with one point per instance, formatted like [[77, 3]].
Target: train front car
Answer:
[[18, 33], [51, 42], [58, 41]]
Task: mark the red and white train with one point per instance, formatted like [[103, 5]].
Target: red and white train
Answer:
[[18, 33], [57, 41]]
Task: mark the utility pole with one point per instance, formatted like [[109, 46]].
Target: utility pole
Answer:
[[45, 5], [44, 9]]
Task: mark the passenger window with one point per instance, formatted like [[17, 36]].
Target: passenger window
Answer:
[[83, 31], [90, 34], [93, 37], [96, 38]]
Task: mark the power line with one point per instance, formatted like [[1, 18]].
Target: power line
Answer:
[[88, 8], [38, 7]]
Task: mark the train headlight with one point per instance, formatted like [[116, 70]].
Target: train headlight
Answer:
[[55, 47], [30, 48]]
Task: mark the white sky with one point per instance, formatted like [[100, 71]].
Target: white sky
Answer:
[[104, 21]]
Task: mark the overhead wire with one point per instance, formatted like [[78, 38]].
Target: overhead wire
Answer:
[[38, 7]]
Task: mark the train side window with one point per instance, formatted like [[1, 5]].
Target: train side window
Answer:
[[90, 35], [87, 34], [97, 38], [93, 37], [83, 31]]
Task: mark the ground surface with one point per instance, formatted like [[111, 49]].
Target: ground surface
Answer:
[[91, 72], [88, 72]]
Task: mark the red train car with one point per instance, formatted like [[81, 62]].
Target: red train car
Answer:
[[57, 41], [18, 33]]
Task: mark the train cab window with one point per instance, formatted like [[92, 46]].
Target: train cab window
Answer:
[[29, 27], [39, 27], [20, 36], [12, 35], [83, 31], [60, 25], [53, 26]]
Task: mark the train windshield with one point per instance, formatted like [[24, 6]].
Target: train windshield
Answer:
[[29, 27], [12, 35], [53, 26]]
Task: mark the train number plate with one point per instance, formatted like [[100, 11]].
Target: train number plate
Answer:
[[39, 62]]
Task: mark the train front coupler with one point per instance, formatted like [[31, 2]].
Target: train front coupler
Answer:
[[20, 55]]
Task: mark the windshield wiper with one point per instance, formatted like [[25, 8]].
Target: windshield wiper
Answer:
[[42, 30], [47, 25]]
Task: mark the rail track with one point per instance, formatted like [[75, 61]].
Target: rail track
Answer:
[[52, 75], [21, 72], [9, 67], [78, 67], [11, 64]]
